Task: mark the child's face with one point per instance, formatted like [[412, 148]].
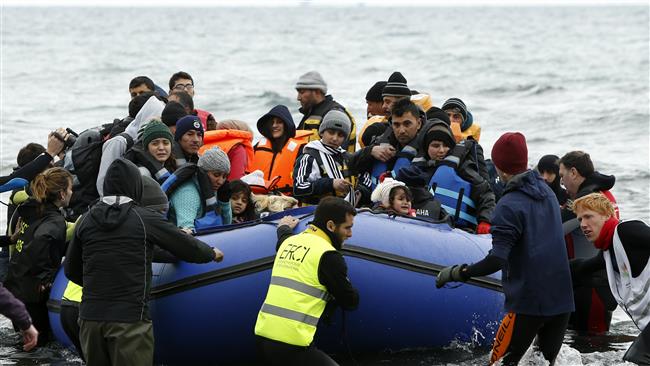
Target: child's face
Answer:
[[333, 138], [437, 150], [401, 203], [238, 202]]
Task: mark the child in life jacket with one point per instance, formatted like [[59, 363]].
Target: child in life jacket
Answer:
[[241, 202], [453, 177], [394, 197], [322, 170]]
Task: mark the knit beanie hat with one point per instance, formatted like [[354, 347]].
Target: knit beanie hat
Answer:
[[550, 164], [336, 120], [155, 130], [381, 194], [437, 113], [452, 103], [172, 112], [153, 196], [188, 123], [215, 160], [374, 93], [440, 131], [312, 80], [510, 153], [396, 86]]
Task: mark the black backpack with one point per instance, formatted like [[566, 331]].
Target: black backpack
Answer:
[[82, 160]]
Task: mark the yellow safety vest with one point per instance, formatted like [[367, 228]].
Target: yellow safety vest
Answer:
[[72, 294], [296, 299]]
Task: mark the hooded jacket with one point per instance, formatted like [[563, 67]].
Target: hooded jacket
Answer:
[[118, 145], [527, 234], [276, 158], [112, 249], [38, 252]]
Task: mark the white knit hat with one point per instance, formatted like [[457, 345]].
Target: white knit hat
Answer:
[[382, 192]]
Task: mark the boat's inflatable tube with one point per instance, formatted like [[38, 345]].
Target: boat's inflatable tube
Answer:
[[205, 314]]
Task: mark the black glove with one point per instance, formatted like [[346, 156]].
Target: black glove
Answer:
[[450, 274], [225, 192]]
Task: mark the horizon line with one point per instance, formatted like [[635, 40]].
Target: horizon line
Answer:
[[313, 3]]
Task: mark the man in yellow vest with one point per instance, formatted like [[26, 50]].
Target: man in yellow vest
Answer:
[[309, 274]]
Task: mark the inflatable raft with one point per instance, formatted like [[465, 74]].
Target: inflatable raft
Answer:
[[205, 314]]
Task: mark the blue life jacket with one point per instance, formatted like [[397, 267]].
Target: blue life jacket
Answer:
[[453, 192], [209, 220], [378, 168], [403, 160], [15, 183]]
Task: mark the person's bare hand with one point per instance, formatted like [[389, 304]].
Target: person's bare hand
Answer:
[[186, 230], [30, 338], [290, 221], [218, 255], [341, 185], [56, 141], [383, 152]]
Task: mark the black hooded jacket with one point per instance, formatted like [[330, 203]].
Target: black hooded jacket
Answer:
[[39, 250], [282, 112], [596, 182], [112, 249]]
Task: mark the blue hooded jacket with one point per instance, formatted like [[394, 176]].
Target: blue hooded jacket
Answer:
[[527, 233], [281, 112]]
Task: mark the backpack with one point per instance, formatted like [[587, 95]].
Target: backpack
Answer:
[[82, 160]]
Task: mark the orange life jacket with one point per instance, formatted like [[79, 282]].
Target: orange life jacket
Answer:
[[371, 121], [279, 164], [226, 140], [474, 130]]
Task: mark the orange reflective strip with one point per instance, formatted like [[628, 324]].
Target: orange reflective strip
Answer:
[[503, 337]]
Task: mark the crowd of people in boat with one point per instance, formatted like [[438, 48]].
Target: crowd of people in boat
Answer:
[[410, 158]]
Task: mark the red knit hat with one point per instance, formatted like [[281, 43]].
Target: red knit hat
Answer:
[[510, 153]]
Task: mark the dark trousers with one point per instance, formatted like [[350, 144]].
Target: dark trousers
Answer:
[[70, 325], [594, 307], [517, 332], [40, 320], [281, 354], [117, 344], [639, 351]]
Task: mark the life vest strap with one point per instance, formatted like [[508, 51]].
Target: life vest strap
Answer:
[[451, 194], [460, 214]]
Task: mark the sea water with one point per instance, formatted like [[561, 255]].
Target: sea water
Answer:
[[569, 78]]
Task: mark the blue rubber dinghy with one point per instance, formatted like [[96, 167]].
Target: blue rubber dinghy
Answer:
[[205, 314]]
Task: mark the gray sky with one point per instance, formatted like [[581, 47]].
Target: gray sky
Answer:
[[386, 3]]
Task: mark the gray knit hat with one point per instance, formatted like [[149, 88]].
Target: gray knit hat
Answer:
[[215, 160], [312, 80], [153, 196], [336, 120]]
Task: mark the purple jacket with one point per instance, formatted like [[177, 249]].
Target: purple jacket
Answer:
[[13, 309]]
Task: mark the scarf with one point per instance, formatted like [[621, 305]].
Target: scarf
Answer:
[[332, 168], [606, 236]]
